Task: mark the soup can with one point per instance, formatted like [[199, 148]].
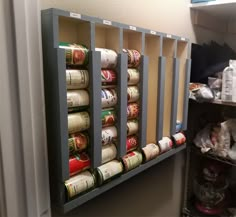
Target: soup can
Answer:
[[109, 98], [78, 163], [109, 135], [132, 110], [150, 151], [77, 122], [108, 77], [80, 183], [77, 98], [108, 153], [108, 58], [131, 143], [132, 127], [132, 160], [134, 57], [77, 79], [78, 142], [133, 93], [133, 76], [179, 139], [165, 144], [76, 54], [108, 117], [108, 171]]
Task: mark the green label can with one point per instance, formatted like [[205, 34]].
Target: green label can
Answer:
[[77, 79], [133, 76], [108, 117], [133, 93], [76, 54], [108, 171], [132, 127], [78, 122], [78, 142], [132, 160], [77, 98], [79, 183], [150, 151], [108, 153]]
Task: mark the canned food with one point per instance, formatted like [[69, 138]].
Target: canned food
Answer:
[[132, 160], [178, 126], [78, 163], [133, 76], [108, 77], [109, 135], [108, 153], [77, 79], [132, 110], [134, 57], [179, 139], [78, 122], [165, 144], [150, 151], [109, 98], [108, 171], [76, 54], [79, 183], [108, 58], [77, 98], [133, 93], [131, 143], [132, 127], [78, 143], [108, 117]]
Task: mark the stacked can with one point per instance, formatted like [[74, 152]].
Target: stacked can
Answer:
[[77, 80], [110, 167]]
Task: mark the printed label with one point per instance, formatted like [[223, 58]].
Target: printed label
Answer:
[[75, 15], [108, 153], [153, 32], [183, 39], [169, 36], [107, 22], [132, 28]]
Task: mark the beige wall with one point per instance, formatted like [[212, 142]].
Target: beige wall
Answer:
[[158, 191]]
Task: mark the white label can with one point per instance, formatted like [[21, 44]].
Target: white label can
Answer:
[[179, 138], [109, 134], [77, 79], [108, 153], [132, 127], [109, 170], [150, 151], [78, 122], [76, 98], [132, 160], [108, 58], [165, 144], [109, 98], [133, 93], [79, 183], [133, 76]]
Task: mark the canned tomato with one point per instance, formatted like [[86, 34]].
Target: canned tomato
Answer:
[[109, 98], [78, 163], [108, 171], [134, 57], [108, 153], [165, 144], [133, 76], [132, 110], [77, 98], [150, 151], [132, 127], [132, 160], [78, 122], [108, 58], [108, 117], [131, 143], [77, 79], [108, 77], [133, 93], [76, 54], [109, 134], [179, 138], [79, 183], [78, 142]]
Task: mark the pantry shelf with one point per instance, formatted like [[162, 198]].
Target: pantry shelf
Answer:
[[99, 190], [218, 102]]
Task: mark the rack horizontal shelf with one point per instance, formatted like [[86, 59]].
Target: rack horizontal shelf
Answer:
[[218, 102], [86, 197]]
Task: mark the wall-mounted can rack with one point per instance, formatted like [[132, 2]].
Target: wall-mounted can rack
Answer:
[[161, 69]]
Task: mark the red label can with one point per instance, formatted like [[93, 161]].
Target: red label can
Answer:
[[134, 57], [78, 163], [131, 143], [132, 110], [179, 138], [165, 144], [108, 77]]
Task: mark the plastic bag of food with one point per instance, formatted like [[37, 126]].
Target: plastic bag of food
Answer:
[[200, 92]]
